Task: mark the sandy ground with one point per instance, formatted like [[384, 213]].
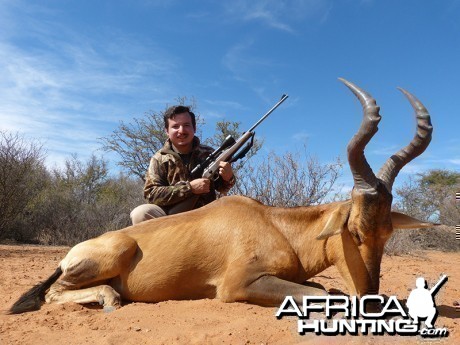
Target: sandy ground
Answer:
[[203, 321]]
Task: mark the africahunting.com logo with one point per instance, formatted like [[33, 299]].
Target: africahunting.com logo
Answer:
[[349, 315]]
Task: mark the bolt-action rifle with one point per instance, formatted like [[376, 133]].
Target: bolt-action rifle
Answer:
[[230, 151]]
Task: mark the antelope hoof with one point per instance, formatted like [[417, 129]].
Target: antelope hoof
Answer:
[[108, 298], [109, 308]]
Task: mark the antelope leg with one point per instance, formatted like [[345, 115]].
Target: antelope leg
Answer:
[[270, 291]]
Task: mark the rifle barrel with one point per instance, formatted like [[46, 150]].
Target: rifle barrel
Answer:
[[283, 98]]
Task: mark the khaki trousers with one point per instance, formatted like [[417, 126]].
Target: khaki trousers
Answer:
[[146, 212]]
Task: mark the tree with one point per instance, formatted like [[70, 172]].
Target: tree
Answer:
[[83, 180], [137, 142], [83, 201], [291, 179], [22, 177], [431, 196], [428, 196]]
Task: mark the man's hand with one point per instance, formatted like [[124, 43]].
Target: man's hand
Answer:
[[225, 170], [200, 186], [203, 185]]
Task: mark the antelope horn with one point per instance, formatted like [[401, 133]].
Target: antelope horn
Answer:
[[422, 138], [363, 175]]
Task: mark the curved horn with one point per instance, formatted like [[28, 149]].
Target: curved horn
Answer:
[[363, 175], [422, 138]]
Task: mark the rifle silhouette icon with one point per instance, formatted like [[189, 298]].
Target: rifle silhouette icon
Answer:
[[434, 290]]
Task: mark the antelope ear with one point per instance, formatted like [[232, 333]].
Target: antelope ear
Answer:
[[336, 222], [403, 221]]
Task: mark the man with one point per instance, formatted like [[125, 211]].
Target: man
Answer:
[[168, 181], [421, 303]]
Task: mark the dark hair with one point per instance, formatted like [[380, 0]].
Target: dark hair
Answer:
[[178, 109]]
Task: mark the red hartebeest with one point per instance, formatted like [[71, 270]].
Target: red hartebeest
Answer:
[[237, 249]]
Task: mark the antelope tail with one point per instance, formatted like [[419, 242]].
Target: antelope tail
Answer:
[[33, 299]]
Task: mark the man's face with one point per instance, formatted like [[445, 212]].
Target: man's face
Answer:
[[181, 132]]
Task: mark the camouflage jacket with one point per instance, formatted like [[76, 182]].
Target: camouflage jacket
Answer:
[[168, 178]]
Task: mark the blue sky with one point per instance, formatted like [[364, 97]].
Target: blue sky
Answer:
[[72, 70]]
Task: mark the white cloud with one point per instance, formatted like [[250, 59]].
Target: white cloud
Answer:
[[237, 59], [245, 66], [225, 104], [220, 109], [64, 86], [454, 161], [386, 150], [279, 15], [444, 161], [429, 164], [301, 136]]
